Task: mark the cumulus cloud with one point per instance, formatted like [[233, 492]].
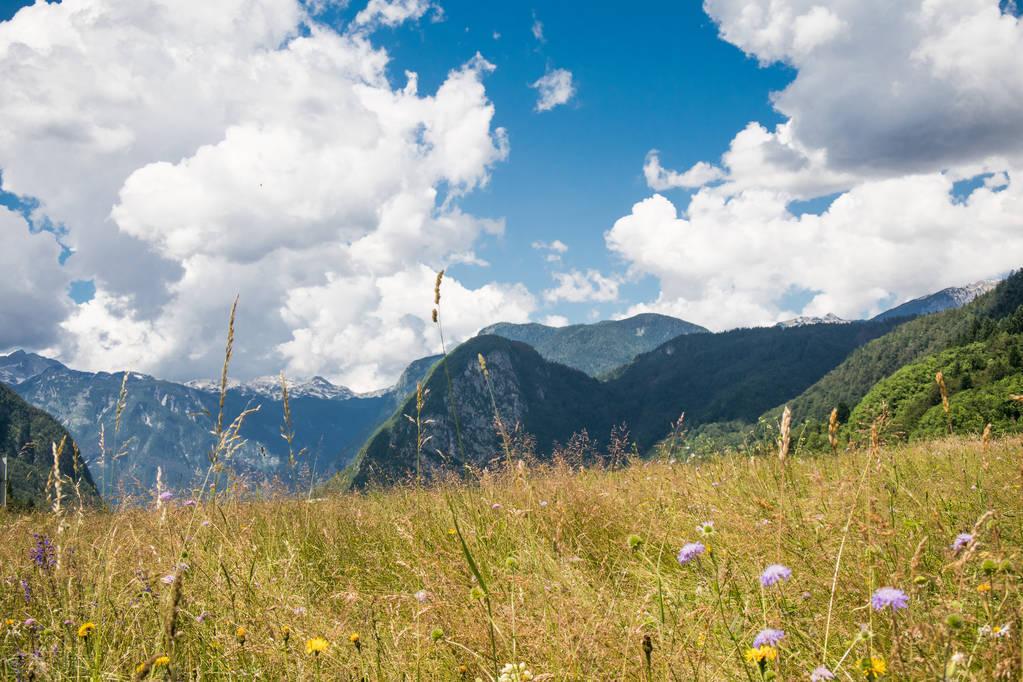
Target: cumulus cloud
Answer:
[[393, 12], [660, 179], [579, 286], [891, 105], [555, 321], [195, 150], [554, 88]]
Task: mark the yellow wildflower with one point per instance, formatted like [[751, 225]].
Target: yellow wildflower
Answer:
[[85, 629], [761, 654], [984, 587], [160, 661], [873, 667], [452, 531], [316, 646], [240, 634]]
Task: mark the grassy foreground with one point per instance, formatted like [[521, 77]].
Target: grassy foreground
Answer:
[[574, 573]]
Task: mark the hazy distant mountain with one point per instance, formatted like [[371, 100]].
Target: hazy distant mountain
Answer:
[[803, 321], [167, 424], [270, 387], [600, 347], [953, 297], [19, 366]]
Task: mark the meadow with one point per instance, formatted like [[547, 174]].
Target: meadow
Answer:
[[730, 568]]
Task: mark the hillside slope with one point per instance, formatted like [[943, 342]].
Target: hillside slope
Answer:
[[597, 348], [27, 435]]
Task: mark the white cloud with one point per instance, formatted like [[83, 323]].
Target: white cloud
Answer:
[[579, 286], [660, 179], [554, 88], [393, 12], [197, 150], [555, 321], [537, 29], [892, 103], [553, 249]]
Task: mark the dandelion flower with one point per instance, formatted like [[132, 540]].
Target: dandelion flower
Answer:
[[873, 667], [85, 629], [961, 542], [889, 598], [774, 574], [240, 634], [690, 551], [356, 641], [316, 646], [161, 661], [761, 654], [768, 636], [984, 587], [821, 674]]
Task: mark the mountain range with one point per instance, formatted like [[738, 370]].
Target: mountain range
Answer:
[[552, 383]]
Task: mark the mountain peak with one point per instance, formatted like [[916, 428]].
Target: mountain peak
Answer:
[[21, 366], [803, 321], [951, 297]]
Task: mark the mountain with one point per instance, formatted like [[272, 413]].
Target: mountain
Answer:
[[167, 425], [803, 321], [952, 297], [1000, 310], [19, 366], [710, 377], [596, 348], [270, 387], [27, 435]]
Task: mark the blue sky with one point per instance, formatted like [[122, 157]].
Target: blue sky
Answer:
[[662, 79], [729, 162]]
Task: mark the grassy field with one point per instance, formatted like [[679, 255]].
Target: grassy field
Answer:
[[573, 573]]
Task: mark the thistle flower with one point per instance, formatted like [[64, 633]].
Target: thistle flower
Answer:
[[166, 496], [889, 598], [961, 542], [821, 674], [86, 629], [690, 551], [768, 637], [316, 646], [774, 574]]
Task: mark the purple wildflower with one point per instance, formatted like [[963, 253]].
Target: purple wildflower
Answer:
[[820, 674], [889, 598], [26, 590], [422, 596], [768, 636], [168, 579], [31, 623], [190, 503], [44, 554], [166, 496], [774, 574], [690, 551], [961, 542]]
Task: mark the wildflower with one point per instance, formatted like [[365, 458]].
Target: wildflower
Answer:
[[168, 579], [515, 673], [496, 506], [299, 610], [190, 503], [452, 532], [1002, 631], [240, 634], [690, 551], [44, 554], [161, 661], [476, 593], [316, 646], [355, 640], [961, 542], [774, 574], [761, 655], [201, 618], [30, 623], [889, 597], [821, 674], [983, 631], [706, 528], [873, 667], [984, 587], [26, 590], [166, 496], [285, 633], [543, 503], [768, 636], [422, 596], [86, 629]]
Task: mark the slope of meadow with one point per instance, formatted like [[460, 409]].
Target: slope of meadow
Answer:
[[572, 572]]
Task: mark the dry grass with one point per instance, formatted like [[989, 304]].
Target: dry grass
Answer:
[[578, 567]]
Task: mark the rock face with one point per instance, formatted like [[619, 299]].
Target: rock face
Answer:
[[953, 297], [27, 435], [597, 348]]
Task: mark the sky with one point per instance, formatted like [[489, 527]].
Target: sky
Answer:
[[734, 163]]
